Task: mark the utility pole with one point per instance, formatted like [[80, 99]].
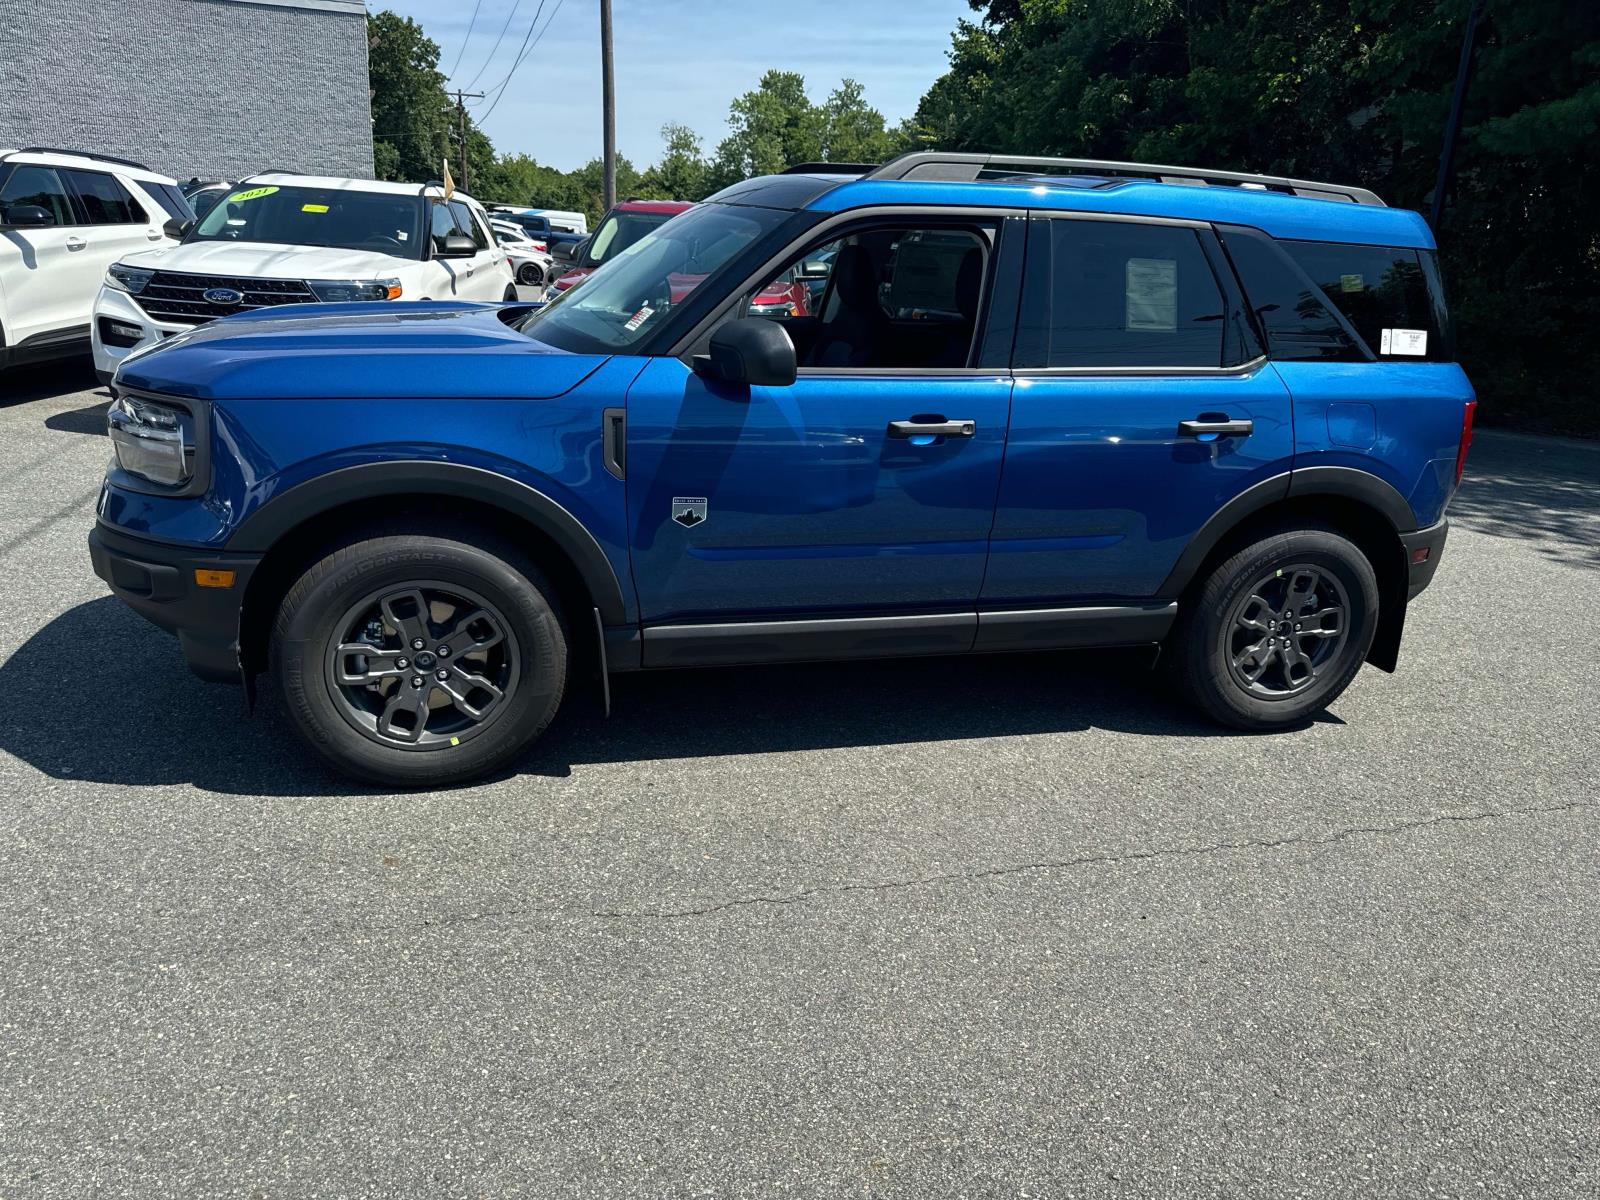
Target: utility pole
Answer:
[[461, 136], [608, 89], [1452, 127]]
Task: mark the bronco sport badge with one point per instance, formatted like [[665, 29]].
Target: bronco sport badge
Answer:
[[688, 511]]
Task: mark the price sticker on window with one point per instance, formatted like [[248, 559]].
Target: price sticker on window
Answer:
[[1413, 342]]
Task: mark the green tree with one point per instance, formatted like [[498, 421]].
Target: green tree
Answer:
[[1351, 90], [411, 116], [773, 127], [683, 173], [852, 130]]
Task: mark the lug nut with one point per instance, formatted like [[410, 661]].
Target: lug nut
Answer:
[[416, 681], [441, 676], [444, 651], [417, 644], [401, 663]]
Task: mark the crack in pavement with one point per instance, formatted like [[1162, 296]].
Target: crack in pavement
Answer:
[[805, 894]]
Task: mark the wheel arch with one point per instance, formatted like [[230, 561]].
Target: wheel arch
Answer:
[[1366, 509], [290, 531]]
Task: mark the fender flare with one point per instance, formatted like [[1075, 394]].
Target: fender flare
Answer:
[[1301, 483], [262, 529]]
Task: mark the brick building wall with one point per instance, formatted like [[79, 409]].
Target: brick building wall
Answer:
[[215, 88]]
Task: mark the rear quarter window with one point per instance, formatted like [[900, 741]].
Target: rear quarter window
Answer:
[[1390, 295]]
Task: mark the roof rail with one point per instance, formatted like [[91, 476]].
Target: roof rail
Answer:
[[829, 168], [936, 164], [125, 162]]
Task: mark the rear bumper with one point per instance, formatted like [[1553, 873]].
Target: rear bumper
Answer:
[[1432, 540], [157, 581]]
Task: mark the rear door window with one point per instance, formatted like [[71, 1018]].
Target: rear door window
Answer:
[[1387, 293], [1125, 294], [105, 200]]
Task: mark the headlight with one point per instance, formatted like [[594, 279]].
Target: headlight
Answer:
[[128, 279], [153, 441], [343, 291]]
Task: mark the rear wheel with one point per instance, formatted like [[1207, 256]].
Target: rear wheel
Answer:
[[420, 657], [529, 275], [1278, 630]]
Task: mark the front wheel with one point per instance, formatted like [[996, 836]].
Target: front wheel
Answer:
[[1278, 630], [529, 275], [511, 294], [420, 657]]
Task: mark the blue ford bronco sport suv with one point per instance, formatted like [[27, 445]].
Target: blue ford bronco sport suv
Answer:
[[1036, 403]]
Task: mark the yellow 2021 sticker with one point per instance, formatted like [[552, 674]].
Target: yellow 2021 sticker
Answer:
[[251, 194]]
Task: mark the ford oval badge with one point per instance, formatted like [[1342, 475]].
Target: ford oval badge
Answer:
[[223, 297]]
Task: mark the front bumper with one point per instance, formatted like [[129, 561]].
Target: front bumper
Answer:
[[157, 581], [119, 307], [1432, 540]]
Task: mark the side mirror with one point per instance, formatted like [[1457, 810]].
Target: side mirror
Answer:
[[28, 216], [177, 229], [564, 251], [751, 351], [814, 269], [456, 246]]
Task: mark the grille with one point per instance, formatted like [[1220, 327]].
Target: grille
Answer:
[[170, 296]]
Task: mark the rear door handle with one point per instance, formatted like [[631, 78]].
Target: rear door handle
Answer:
[[1223, 428], [911, 429]]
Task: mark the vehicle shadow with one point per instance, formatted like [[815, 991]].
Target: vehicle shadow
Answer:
[[1542, 490], [154, 724], [46, 381], [91, 420]]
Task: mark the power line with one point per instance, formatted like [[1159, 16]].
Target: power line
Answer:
[[495, 49], [472, 24], [524, 52]]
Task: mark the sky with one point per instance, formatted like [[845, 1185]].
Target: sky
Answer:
[[677, 60]]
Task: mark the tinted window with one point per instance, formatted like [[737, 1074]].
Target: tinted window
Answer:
[[174, 202], [619, 231], [1120, 294], [40, 186], [1289, 306], [467, 225], [105, 200], [1382, 291], [309, 216], [444, 225]]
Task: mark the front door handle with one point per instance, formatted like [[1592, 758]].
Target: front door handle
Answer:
[[911, 429], [76, 243], [1222, 428], [154, 235]]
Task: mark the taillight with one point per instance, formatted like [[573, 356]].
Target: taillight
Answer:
[[1466, 437]]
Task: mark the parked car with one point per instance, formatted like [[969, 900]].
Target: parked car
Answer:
[[625, 224], [530, 261], [281, 239], [65, 216], [1109, 405], [552, 227], [203, 194]]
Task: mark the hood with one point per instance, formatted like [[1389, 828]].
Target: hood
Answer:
[[371, 351], [270, 260]]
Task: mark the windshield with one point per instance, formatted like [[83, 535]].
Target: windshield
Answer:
[[307, 216], [637, 291], [617, 232]]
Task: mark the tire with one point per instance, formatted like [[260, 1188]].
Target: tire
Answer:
[[511, 294], [1235, 628], [459, 587], [529, 275]]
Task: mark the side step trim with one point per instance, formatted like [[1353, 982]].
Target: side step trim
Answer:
[[900, 636], [1057, 628]]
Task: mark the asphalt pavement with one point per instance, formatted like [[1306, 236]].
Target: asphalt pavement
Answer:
[[1012, 926]]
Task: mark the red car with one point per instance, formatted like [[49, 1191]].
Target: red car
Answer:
[[630, 220]]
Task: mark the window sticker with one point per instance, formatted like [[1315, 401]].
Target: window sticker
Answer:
[[251, 194], [314, 208], [1404, 341], [1352, 283], [639, 318], [1152, 294]]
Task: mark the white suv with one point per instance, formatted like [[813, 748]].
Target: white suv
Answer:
[[65, 217], [301, 239]]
